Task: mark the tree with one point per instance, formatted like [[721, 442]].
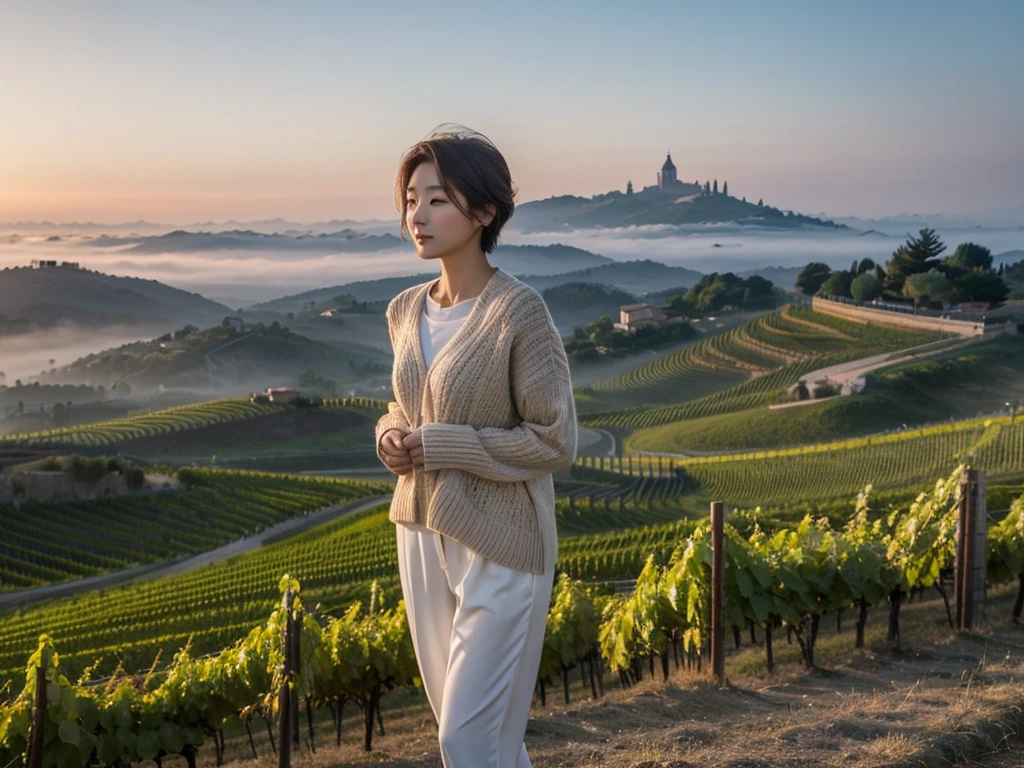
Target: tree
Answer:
[[981, 286], [917, 255], [811, 277], [311, 382], [760, 203], [837, 284], [925, 286], [725, 188], [707, 189], [970, 257], [866, 287], [865, 264], [714, 189], [757, 289], [603, 328], [712, 298]]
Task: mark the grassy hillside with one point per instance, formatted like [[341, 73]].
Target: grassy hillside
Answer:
[[956, 386], [831, 469], [747, 366], [636, 276], [221, 357], [35, 299], [579, 303], [206, 428]]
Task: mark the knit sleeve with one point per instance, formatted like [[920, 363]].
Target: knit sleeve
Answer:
[[545, 441], [395, 417]]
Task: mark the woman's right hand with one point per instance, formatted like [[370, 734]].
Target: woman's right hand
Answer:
[[395, 454]]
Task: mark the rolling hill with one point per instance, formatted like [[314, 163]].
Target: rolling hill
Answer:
[[40, 299], [553, 259], [222, 358], [652, 206]]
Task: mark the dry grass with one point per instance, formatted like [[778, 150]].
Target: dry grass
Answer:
[[946, 699]]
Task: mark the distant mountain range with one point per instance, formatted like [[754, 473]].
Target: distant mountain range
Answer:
[[639, 207], [141, 227], [40, 299], [899, 224], [517, 260], [182, 241]]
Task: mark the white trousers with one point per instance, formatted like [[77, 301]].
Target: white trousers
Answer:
[[478, 631]]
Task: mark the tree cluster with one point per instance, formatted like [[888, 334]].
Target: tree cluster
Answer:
[[710, 189], [603, 333], [717, 291], [916, 271]]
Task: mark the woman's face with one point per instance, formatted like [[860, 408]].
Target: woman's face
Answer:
[[436, 225]]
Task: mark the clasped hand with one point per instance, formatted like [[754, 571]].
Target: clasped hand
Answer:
[[403, 450]]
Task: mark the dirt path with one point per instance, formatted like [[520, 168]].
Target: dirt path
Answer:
[[184, 564], [849, 376]]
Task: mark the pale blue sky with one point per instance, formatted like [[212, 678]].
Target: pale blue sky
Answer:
[[190, 111]]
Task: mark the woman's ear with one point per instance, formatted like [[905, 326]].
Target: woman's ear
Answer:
[[488, 215]]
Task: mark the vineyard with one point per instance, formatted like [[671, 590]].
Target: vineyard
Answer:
[[840, 468], [135, 621], [52, 542], [603, 536], [787, 343], [781, 580], [170, 420]]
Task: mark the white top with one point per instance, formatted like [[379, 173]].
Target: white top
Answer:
[[438, 324]]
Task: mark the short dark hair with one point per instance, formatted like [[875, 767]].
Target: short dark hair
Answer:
[[466, 161]]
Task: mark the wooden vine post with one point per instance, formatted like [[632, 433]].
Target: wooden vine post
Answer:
[[285, 703], [35, 755], [972, 531], [717, 593]]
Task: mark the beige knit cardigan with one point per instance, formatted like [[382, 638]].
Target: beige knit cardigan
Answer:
[[497, 416]]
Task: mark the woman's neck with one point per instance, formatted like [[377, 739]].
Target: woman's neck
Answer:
[[461, 283]]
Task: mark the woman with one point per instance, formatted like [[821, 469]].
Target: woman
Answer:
[[483, 415]]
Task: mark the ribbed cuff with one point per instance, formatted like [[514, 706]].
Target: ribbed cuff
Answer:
[[452, 446]]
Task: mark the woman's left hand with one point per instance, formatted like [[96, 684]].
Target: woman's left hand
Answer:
[[414, 443]]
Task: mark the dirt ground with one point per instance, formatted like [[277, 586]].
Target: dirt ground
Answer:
[[944, 699]]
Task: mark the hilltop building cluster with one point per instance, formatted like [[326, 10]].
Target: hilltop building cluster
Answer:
[[668, 182], [51, 263]]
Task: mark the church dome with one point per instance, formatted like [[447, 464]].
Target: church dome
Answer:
[[668, 166]]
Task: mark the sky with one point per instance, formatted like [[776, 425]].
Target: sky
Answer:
[[186, 111]]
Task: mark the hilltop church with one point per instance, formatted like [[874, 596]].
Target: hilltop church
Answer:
[[667, 180]]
